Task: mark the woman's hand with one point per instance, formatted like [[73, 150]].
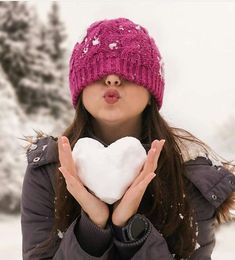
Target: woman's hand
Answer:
[[96, 209], [125, 208]]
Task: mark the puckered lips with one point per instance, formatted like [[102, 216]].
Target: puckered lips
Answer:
[[111, 96]]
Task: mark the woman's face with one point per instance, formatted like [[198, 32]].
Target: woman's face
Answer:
[[106, 107]]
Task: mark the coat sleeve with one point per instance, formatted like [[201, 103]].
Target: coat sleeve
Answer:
[[151, 246], [205, 221], [205, 240], [37, 215], [210, 186]]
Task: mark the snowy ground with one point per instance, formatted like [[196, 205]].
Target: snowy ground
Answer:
[[10, 247], [225, 242]]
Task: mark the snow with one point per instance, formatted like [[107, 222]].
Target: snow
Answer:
[[60, 233], [96, 41], [225, 237], [11, 232], [85, 50], [113, 45], [181, 216], [197, 246], [10, 246], [101, 168]]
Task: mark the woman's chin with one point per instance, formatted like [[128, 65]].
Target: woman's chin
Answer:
[[112, 119]]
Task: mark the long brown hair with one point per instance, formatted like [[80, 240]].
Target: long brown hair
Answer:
[[165, 199]]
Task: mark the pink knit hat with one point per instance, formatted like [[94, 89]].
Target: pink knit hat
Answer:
[[117, 46]]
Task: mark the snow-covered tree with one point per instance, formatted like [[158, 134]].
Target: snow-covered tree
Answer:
[[55, 37], [32, 58], [19, 55], [12, 163], [31, 94], [15, 22]]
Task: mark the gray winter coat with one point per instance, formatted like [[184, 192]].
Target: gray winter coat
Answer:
[[210, 186]]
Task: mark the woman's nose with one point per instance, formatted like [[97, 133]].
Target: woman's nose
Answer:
[[112, 80]]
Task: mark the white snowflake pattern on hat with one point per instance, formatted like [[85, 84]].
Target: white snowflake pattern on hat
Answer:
[[85, 50], [96, 41], [113, 45]]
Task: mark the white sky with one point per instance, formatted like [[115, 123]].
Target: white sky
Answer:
[[197, 42]]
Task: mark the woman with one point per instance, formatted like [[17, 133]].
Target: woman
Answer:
[[117, 85]]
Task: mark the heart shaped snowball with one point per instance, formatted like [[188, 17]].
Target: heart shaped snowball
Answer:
[[108, 171]]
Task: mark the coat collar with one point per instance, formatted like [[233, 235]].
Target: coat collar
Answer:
[[43, 151]]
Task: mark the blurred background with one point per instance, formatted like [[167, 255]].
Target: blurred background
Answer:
[[195, 38]]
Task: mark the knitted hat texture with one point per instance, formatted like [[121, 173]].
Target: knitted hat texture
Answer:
[[117, 46]]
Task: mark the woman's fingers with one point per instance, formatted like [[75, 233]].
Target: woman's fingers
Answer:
[[157, 155], [145, 182], [73, 184], [66, 150], [140, 177], [96, 209], [76, 188], [134, 195], [65, 155], [139, 190], [70, 165], [151, 161], [142, 186], [60, 151]]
